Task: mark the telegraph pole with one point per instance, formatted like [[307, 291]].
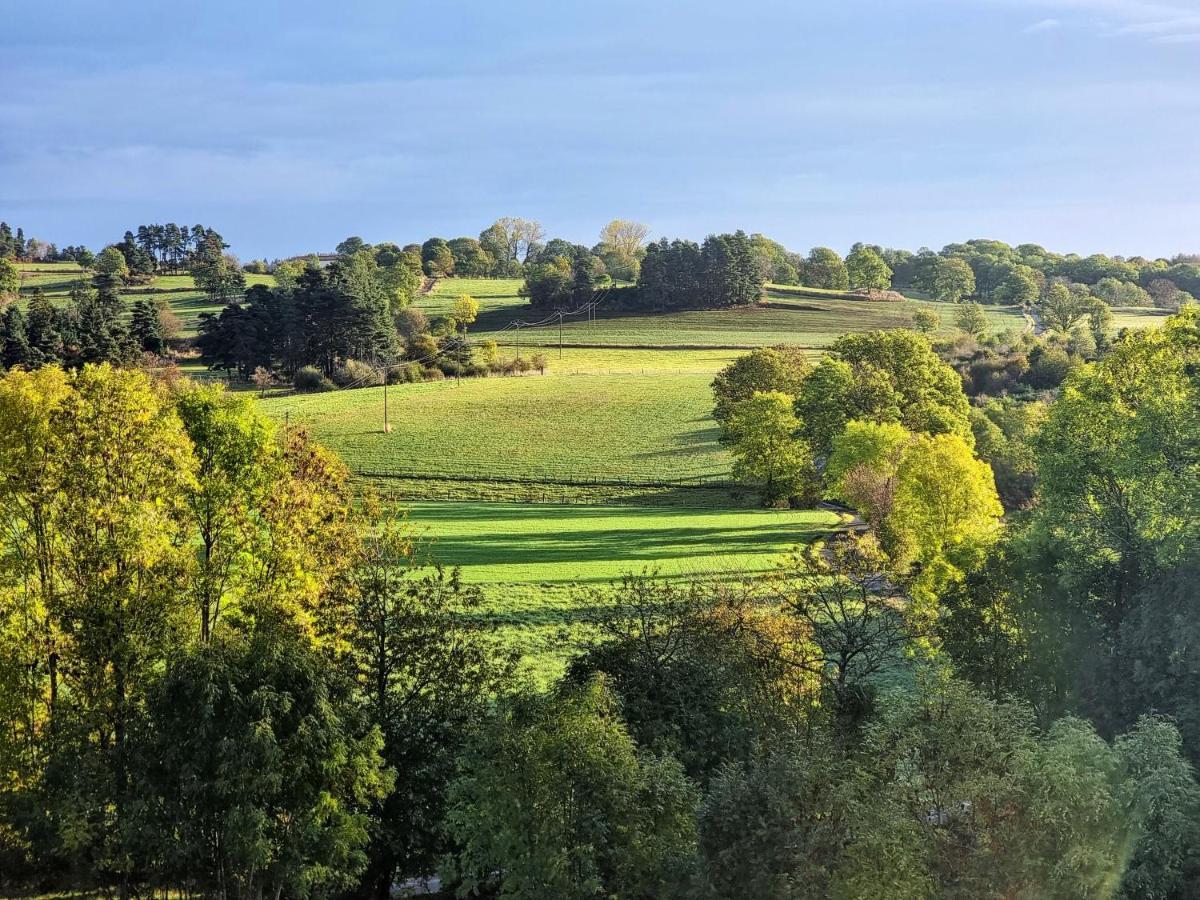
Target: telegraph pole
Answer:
[[560, 315], [518, 340], [387, 426]]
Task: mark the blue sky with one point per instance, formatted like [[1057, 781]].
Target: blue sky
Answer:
[[287, 126]]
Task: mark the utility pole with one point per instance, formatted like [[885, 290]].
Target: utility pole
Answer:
[[518, 340], [560, 315], [387, 426]]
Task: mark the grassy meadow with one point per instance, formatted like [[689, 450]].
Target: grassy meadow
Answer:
[[539, 566], [621, 427]]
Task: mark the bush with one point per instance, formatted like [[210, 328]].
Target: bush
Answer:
[[310, 380], [355, 373], [451, 368], [434, 374]]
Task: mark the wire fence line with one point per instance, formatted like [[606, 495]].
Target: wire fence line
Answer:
[[553, 475]]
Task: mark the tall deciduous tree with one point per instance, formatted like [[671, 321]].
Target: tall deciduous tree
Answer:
[[866, 269], [767, 449]]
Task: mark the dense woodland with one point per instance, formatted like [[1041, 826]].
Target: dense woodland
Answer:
[[227, 672]]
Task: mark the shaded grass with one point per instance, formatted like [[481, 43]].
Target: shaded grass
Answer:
[[550, 544], [538, 566]]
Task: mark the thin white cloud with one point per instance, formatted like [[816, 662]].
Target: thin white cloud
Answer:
[[1148, 19], [1043, 25]]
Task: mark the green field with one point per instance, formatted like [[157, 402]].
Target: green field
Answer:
[[537, 566], [783, 318], [510, 543], [618, 427]]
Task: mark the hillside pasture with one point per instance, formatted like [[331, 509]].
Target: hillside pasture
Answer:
[[625, 429], [539, 568]]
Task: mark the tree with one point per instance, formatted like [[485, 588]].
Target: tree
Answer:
[[862, 467], [44, 327], [465, 310], [766, 448], [14, 339], [146, 329], [437, 258], [217, 275], [627, 237], [952, 280], [471, 260], [972, 319], [780, 368], [110, 264], [926, 321], [848, 610], [555, 800], [700, 668], [1019, 286], [119, 466], [10, 279], [427, 676], [825, 269], [257, 772], [945, 511], [882, 376], [350, 246], [1063, 308], [866, 269]]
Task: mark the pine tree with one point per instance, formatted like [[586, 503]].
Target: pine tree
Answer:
[[14, 339], [145, 328], [45, 336]]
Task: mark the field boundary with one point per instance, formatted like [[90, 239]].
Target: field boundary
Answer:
[[630, 480]]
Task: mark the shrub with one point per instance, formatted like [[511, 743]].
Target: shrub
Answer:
[[434, 374], [311, 380], [356, 373]]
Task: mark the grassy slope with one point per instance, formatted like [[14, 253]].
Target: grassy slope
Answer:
[[810, 321], [179, 291], [547, 544], [537, 565], [652, 427]]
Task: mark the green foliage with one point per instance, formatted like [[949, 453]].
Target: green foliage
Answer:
[[951, 280], [824, 268], [912, 809], [1119, 484], [255, 770], [971, 319], [866, 269], [10, 278], [111, 264], [556, 801], [700, 669], [926, 321], [780, 369], [1005, 430], [945, 510], [862, 467], [882, 376], [766, 449], [724, 272]]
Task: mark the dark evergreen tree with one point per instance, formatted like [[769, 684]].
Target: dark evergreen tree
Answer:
[[145, 327], [43, 324], [14, 339]]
